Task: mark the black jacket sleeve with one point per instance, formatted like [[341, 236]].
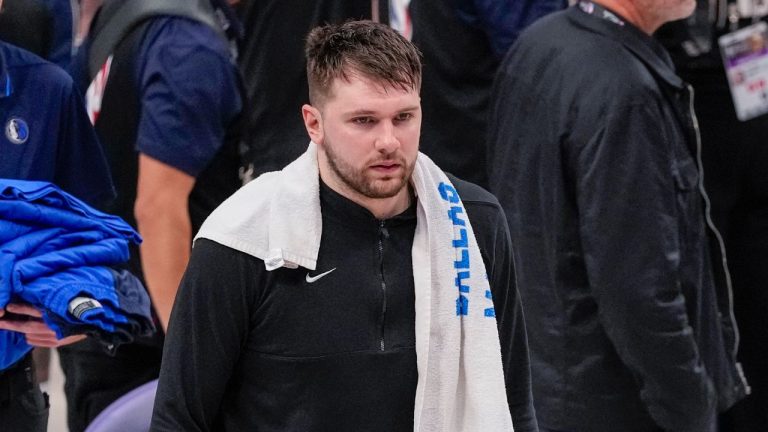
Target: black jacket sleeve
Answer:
[[208, 327], [629, 229], [492, 232]]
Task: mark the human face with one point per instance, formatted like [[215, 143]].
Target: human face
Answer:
[[368, 139]]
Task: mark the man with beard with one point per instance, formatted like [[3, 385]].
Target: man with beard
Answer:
[[595, 157], [360, 288]]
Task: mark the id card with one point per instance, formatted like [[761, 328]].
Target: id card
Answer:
[[745, 54]]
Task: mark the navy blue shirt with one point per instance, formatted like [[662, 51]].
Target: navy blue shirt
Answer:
[[190, 93], [46, 132]]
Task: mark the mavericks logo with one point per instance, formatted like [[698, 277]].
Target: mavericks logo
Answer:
[[17, 130]]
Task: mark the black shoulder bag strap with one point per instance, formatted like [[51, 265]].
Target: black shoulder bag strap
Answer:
[[117, 18]]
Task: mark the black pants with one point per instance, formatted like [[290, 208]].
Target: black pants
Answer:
[[96, 378], [23, 407]]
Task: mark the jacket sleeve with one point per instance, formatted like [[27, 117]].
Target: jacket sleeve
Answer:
[[496, 248], [209, 324], [627, 201]]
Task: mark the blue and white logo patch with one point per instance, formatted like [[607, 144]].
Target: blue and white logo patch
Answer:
[[17, 130]]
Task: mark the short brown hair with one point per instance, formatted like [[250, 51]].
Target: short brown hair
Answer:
[[371, 49]]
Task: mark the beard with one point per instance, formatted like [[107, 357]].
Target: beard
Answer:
[[363, 182]]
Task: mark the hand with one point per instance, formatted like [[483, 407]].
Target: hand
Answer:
[[36, 331]]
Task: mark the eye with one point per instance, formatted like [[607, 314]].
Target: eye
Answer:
[[402, 117], [362, 120]]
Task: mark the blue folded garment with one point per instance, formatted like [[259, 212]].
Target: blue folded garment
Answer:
[[55, 254], [48, 196]]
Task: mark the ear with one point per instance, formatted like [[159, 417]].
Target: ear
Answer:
[[313, 122]]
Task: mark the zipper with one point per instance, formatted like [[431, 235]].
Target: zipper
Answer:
[[716, 232], [383, 235]]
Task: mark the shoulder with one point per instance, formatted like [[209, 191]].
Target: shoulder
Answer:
[[483, 209], [213, 253], [471, 193], [24, 64], [487, 220], [190, 52], [234, 274], [595, 64], [183, 34], [213, 260], [239, 221]]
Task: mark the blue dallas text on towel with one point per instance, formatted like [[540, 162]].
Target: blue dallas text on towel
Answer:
[[462, 265]]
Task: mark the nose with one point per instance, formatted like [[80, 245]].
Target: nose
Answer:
[[386, 140]]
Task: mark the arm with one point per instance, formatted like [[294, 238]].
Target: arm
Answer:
[[88, 10], [627, 203], [162, 216], [189, 97], [209, 326], [511, 324], [492, 232]]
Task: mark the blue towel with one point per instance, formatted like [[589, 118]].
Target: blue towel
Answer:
[[57, 254]]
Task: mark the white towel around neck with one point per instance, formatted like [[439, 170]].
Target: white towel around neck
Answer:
[[461, 386]]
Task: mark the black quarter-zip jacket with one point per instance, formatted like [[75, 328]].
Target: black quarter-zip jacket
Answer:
[[326, 350]]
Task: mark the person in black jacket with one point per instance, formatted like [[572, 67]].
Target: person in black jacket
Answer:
[[734, 156], [263, 337], [595, 158], [463, 42]]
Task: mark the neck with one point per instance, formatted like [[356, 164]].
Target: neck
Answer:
[[629, 10], [380, 208], [385, 208]]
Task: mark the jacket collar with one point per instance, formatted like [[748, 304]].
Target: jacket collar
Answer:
[[643, 46], [356, 215], [6, 87]]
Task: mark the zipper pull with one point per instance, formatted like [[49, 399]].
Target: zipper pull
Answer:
[[383, 230]]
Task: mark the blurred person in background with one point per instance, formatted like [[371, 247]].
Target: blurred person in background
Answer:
[[735, 157], [44, 27], [51, 141], [594, 155], [163, 92], [274, 71], [463, 42]]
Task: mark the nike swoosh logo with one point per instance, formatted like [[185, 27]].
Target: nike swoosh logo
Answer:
[[311, 279]]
